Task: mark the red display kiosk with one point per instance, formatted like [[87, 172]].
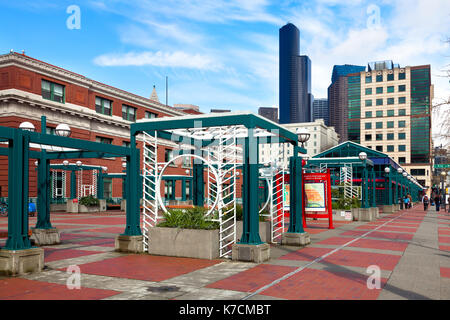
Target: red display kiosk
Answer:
[[317, 196]]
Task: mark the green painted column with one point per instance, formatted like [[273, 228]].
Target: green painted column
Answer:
[[132, 227], [18, 158], [125, 185], [100, 185], [365, 186], [295, 195], [43, 201], [389, 186], [394, 176], [250, 219], [198, 185], [73, 184], [373, 188], [183, 190]]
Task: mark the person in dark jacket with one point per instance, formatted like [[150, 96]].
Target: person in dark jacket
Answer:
[[437, 202], [425, 201]]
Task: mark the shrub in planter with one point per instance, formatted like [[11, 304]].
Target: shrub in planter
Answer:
[[89, 201], [188, 219]]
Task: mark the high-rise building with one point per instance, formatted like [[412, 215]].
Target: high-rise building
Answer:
[[320, 110], [220, 110], [338, 99], [390, 111], [305, 97], [343, 70], [295, 78], [269, 113]]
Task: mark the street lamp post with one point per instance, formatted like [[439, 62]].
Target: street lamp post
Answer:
[[363, 157], [443, 174], [387, 171], [303, 135]]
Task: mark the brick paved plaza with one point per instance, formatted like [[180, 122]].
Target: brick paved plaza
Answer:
[[411, 247]]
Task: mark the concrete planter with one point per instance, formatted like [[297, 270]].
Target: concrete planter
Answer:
[[83, 208], [189, 243], [54, 207], [337, 215], [355, 213]]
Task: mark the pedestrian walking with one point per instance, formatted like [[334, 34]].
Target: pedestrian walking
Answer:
[[425, 201], [437, 202], [406, 202], [410, 200]]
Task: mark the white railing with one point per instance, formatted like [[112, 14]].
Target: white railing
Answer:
[[150, 173]]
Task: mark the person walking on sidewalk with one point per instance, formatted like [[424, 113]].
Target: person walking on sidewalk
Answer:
[[406, 202], [437, 202], [425, 202], [409, 201]]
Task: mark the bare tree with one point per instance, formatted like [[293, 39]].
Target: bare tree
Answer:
[[441, 111]]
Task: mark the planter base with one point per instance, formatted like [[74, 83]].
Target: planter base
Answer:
[[132, 244], [366, 214], [295, 239], [189, 243], [389, 208], [250, 253], [375, 212], [19, 262], [44, 237], [71, 207]]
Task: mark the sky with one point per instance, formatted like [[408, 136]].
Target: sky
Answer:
[[224, 53]]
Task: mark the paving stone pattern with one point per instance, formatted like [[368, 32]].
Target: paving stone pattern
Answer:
[[411, 248]]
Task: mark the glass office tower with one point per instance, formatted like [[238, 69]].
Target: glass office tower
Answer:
[[289, 73]]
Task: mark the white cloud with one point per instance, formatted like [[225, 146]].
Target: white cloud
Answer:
[[159, 59]]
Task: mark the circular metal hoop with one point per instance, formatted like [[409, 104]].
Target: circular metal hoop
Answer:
[[158, 183], [269, 196]]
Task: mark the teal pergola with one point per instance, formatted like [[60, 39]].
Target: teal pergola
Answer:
[[257, 130], [20, 143], [383, 180]]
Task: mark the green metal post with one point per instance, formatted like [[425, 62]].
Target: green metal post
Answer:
[[198, 188], [389, 186], [43, 124], [373, 187], [73, 184], [18, 192], [250, 219], [365, 186], [394, 176], [43, 214], [296, 192], [183, 190], [133, 210], [100, 185]]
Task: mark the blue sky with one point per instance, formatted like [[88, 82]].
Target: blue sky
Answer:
[[224, 54]]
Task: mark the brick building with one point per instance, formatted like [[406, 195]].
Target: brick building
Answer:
[[30, 88]]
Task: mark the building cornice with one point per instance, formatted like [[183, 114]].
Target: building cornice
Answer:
[[36, 101], [34, 65]]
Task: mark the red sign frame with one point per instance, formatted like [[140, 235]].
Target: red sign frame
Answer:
[[326, 179]]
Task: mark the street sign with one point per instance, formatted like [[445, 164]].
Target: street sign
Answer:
[[439, 166]]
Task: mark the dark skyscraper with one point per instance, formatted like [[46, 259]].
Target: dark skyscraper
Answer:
[[269, 113], [338, 98], [295, 78], [305, 98], [320, 110]]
